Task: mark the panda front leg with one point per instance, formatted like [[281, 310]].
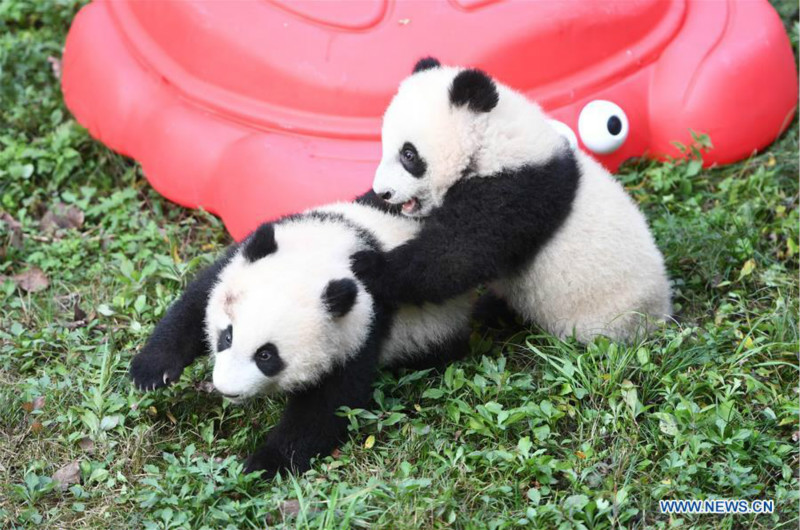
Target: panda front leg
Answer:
[[310, 426], [179, 337]]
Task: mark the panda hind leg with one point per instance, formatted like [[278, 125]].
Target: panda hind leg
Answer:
[[439, 356], [493, 312]]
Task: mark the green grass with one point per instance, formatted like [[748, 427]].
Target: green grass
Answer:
[[530, 432]]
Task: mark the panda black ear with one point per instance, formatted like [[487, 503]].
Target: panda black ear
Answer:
[[261, 243], [339, 296], [426, 63], [475, 89]]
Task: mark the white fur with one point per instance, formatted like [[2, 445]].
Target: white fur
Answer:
[[601, 271], [278, 299]]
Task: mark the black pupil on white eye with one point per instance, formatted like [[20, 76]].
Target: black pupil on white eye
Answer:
[[409, 155], [614, 125]]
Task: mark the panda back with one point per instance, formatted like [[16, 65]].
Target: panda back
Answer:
[[389, 229]]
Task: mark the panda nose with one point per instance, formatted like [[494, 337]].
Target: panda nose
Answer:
[[386, 195]]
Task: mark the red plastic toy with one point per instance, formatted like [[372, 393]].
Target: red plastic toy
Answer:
[[257, 109]]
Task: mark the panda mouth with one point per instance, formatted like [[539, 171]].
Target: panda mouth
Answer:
[[411, 206]]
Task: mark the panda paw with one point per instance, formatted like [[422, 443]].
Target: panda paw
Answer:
[[368, 266], [268, 461], [150, 370]]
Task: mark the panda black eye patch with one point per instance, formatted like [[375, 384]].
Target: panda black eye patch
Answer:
[[268, 360], [412, 161], [225, 338]]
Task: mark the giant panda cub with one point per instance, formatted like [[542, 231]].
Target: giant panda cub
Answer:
[[284, 312], [507, 202]]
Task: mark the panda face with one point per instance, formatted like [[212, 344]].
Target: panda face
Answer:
[[286, 319], [426, 143], [251, 376], [445, 124]]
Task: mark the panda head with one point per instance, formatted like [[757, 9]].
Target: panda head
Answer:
[[277, 320], [448, 123]]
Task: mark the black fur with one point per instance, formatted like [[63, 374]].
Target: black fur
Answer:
[[426, 63], [492, 311], [439, 357], [486, 228], [225, 338], [370, 199], [260, 243], [365, 235], [179, 338], [412, 161], [475, 89], [339, 296], [268, 360], [368, 265], [310, 426]]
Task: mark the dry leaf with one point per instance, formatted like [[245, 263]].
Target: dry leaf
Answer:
[[86, 444], [14, 230], [289, 508], [36, 404], [61, 216], [78, 314], [68, 475], [32, 280], [36, 427], [336, 453]]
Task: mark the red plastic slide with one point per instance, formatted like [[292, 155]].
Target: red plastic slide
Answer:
[[254, 109]]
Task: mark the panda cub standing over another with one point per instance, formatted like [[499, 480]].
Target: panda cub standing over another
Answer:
[[506, 201], [283, 312]]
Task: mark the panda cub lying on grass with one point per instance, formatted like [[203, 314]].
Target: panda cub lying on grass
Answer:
[[283, 311], [506, 201]]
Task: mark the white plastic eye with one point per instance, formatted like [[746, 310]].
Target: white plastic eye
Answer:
[[564, 130], [603, 126]]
